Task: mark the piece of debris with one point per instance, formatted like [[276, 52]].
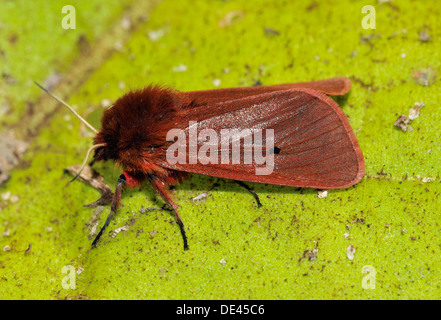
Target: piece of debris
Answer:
[[200, 198], [402, 123], [425, 76], [230, 18], [144, 210], [313, 254], [357, 220], [322, 194], [6, 195], [217, 82], [80, 270], [423, 36], [78, 297], [126, 23], [92, 225], [52, 80], [180, 68], [91, 177], [415, 111], [6, 248], [382, 173], [222, 261], [11, 151], [387, 225], [155, 35], [28, 249], [105, 103], [118, 230], [269, 32], [350, 251], [9, 79], [118, 45]]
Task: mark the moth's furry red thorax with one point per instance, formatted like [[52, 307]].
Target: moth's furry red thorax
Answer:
[[134, 129]]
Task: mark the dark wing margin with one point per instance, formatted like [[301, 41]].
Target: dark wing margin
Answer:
[[316, 147]]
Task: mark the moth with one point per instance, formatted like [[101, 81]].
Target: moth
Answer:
[[311, 145]]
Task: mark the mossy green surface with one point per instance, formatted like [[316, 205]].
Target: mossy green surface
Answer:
[[237, 251], [34, 46]]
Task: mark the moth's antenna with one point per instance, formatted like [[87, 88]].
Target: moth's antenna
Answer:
[[69, 107], [96, 146]]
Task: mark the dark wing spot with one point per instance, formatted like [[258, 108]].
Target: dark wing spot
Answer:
[[275, 150]]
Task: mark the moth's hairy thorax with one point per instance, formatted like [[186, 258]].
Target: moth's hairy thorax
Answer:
[[135, 128]]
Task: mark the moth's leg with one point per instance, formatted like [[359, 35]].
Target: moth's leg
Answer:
[[122, 180], [105, 198], [250, 190], [160, 188]]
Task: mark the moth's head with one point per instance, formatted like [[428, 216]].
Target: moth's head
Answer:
[[112, 146], [134, 128]]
